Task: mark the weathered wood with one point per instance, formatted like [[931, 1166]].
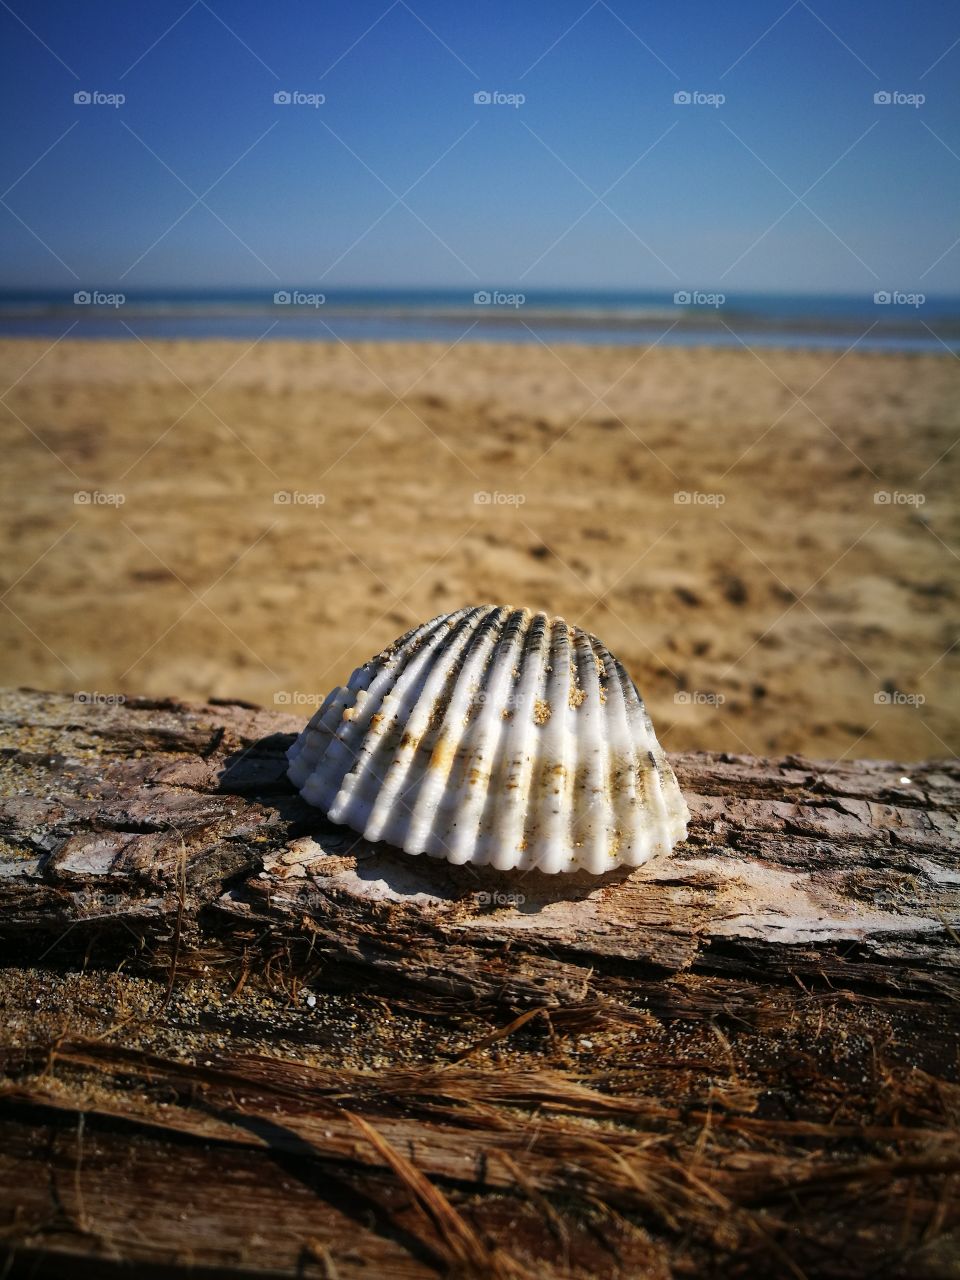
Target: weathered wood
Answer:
[[743, 1057]]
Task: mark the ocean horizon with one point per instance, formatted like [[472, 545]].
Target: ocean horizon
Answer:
[[886, 319]]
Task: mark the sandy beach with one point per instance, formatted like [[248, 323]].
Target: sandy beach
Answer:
[[711, 514]]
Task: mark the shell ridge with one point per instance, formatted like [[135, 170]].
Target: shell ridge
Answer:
[[337, 754], [448, 756], [408, 768], [660, 803], [623, 766], [476, 758], [653, 773], [592, 763], [312, 746], [509, 836], [496, 812], [488, 735], [410, 638], [557, 836], [305, 750], [398, 688], [532, 837]]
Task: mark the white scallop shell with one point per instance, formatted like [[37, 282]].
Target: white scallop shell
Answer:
[[497, 737]]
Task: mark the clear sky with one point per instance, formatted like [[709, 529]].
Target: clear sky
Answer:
[[797, 181]]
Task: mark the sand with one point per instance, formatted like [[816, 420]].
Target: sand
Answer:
[[778, 608]]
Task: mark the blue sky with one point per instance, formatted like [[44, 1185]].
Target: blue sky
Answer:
[[797, 181]]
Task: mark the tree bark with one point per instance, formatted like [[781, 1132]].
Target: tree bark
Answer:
[[241, 1040]]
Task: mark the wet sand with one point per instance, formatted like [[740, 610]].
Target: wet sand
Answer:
[[721, 535]]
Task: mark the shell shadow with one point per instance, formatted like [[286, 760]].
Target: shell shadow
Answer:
[[386, 873], [338, 856], [258, 774]]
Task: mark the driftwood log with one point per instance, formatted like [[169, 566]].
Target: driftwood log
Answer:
[[240, 1041]]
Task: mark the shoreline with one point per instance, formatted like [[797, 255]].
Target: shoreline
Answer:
[[501, 331]]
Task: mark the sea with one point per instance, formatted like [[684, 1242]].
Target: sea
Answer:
[[885, 320]]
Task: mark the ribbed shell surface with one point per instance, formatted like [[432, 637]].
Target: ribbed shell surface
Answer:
[[499, 737]]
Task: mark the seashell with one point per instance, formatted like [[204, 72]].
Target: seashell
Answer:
[[498, 737]]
